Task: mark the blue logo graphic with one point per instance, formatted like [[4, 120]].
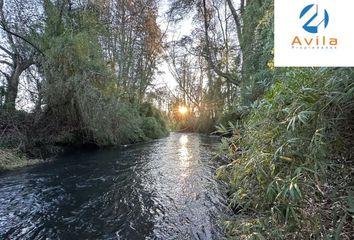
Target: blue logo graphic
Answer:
[[315, 19]]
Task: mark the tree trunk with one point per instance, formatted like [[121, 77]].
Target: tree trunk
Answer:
[[237, 20], [13, 82], [229, 77], [12, 89]]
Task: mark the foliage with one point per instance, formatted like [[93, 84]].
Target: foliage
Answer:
[[233, 115], [153, 122], [279, 180], [12, 129], [11, 159], [205, 122], [70, 58], [286, 151], [257, 43], [290, 152], [82, 92]]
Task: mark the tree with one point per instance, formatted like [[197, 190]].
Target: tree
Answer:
[[208, 12], [17, 54], [132, 45]]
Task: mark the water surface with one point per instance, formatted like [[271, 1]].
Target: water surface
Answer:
[[159, 190]]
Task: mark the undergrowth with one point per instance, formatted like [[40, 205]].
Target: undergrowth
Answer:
[[291, 170]]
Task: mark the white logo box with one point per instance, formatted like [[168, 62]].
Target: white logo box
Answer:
[[331, 46]]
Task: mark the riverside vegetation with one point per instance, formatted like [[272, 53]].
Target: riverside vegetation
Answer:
[[77, 98], [287, 133], [291, 152]]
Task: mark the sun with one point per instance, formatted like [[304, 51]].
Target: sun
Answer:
[[182, 110]]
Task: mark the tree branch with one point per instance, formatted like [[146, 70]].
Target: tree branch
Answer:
[[7, 63], [26, 64], [22, 38], [7, 76], [239, 29], [7, 51], [236, 18], [210, 61]]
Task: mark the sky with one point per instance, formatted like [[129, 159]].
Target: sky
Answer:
[[173, 32]]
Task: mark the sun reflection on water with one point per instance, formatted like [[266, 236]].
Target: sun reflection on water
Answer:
[[183, 140], [184, 154]]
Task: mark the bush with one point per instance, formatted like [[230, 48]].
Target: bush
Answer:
[[153, 122], [84, 100], [280, 180], [11, 159], [14, 127], [204, 123], [108, 120], [234, 115]]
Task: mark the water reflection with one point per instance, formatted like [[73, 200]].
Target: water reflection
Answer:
[[161, 190], [184, 155], [183, 140]]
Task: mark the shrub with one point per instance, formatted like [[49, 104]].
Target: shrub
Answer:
[[278, 182], [153, 122]]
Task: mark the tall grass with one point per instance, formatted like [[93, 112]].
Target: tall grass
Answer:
[[283, 153]]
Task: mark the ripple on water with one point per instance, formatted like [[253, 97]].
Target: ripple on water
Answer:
[[159, 190]]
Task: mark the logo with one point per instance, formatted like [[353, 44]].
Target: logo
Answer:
[[315, 17], [315, 20], [313, 33]]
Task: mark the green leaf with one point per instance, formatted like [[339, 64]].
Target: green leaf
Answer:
[[340, 227], [298, 190]]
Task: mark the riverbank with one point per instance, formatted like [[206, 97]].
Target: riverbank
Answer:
[[30, 138], [11, 160]]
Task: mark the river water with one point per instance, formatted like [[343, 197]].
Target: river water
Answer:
[[164, 189]]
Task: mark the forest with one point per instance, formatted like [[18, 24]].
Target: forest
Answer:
[[84, 73]]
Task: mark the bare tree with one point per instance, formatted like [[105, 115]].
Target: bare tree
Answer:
[[17, 52]]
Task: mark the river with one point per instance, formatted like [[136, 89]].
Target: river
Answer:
[[164, 189]]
